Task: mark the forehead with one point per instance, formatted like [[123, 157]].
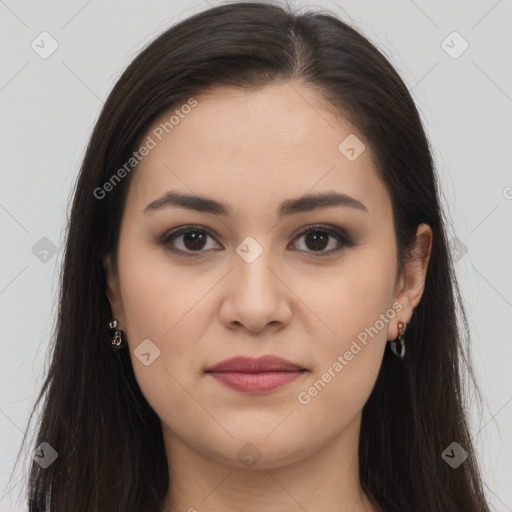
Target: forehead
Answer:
[[275, 142]]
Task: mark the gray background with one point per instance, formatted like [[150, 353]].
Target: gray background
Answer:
[[48, 107]]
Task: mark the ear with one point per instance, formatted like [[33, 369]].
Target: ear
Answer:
[[113, 290], [412, 280]]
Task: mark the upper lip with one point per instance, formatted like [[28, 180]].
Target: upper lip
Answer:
[[267, 363]]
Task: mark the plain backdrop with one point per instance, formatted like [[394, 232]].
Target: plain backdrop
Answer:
[[48, 107]]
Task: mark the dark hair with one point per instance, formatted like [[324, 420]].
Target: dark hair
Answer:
[[109, 441]]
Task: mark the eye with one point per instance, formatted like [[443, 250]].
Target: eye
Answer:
[[317, 239], [193, 239]]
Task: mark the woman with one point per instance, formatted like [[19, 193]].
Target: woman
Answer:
[[258, 309]]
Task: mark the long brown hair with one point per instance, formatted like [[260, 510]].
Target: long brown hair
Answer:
[[109, 441]]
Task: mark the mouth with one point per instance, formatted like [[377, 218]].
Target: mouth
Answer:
[[256, 375]]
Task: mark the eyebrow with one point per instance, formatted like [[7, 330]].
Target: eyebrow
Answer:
[[306, 203]]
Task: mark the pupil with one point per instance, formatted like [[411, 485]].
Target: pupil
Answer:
[[315, 236], [196, 240]]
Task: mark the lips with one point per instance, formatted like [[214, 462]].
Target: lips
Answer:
[[255, 365], [255, 376]]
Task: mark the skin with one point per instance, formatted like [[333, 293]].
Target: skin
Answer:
[[252, 150]]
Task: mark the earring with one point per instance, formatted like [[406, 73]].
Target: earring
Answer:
[[117, 340], [398, 345]]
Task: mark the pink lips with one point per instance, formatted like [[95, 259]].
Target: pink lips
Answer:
[[260, 375]]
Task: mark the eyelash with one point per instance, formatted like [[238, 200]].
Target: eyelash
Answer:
[[340, 235]]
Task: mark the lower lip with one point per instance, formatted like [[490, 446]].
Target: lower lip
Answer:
[[263, 382]]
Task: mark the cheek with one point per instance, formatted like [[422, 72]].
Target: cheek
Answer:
[[353, 298], [356, 304], [347, 366], [164, 304], [161, 305], [159, 297]]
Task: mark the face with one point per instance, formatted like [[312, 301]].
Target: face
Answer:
[[308, 281]]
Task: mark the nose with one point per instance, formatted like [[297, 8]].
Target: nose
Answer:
[[256, 296]]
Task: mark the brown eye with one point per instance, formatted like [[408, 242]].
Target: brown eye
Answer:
[[192, 241], [318, 238], [188, 239]]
